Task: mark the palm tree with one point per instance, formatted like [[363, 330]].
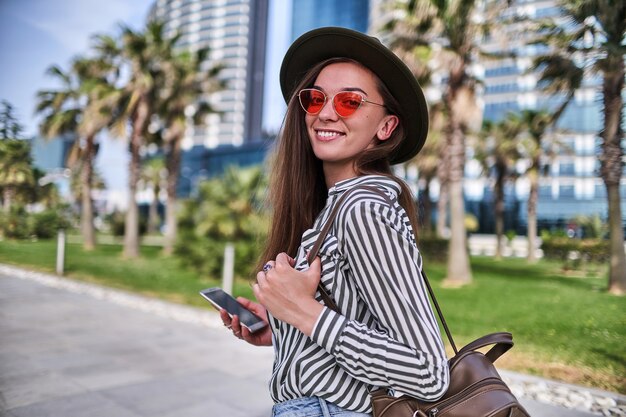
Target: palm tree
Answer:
[[10, 127], [497, 150], [80, 106], [145, 55], [183, 107], [451, 26], [227, 209], [16, 169], [596, 30], [153, 173], [405, 43], [535, 132], [428, 166], [230, 205]]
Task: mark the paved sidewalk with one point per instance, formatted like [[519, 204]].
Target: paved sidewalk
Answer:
[[69, 349]]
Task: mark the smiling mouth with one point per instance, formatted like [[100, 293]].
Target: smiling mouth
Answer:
[[328, 134]]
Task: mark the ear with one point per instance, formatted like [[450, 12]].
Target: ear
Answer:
[[387, 126]]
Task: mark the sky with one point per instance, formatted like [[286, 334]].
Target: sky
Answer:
[[35, 34]]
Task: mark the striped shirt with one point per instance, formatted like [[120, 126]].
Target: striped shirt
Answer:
[[387, 335]]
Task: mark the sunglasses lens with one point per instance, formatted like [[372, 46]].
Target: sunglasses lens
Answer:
[[312, 101], [347, 102]]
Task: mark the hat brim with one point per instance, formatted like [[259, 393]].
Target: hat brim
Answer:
[[330, 42]]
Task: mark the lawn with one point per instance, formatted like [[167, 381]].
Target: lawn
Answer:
[[565, 325]]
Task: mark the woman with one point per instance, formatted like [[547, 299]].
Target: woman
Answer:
[[353, 110]]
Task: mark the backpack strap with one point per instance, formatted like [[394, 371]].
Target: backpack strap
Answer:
[[328, 301]]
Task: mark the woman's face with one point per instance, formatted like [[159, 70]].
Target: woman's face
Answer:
[[337, 141]]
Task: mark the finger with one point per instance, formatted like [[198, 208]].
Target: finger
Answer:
[[245, 333], [283, 259], [257, 292], [292, 261], [252, 306], [268, 265], [260, 278], [225, 317], [236, 325], [316, 266]]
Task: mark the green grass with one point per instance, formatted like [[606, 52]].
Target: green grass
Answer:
[[152, 274], [565, 326]]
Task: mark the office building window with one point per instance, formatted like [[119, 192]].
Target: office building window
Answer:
[[545, 191], [567, 170], [567, 191]]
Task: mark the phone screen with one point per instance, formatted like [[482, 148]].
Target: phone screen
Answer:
[[221, 299]]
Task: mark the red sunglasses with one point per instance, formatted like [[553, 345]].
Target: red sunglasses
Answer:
[[345, 103]]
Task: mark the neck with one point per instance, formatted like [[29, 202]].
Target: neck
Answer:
[[336, 173]]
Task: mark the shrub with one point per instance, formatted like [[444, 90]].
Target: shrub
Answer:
[[571, 252], [225, 210], [45, 225], [433, 248], [117, 222], [14, 225]]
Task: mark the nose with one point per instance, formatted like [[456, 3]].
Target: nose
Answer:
[[328, 111]]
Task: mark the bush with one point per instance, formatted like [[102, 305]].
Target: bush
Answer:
[[433, 248], [206, 255], [226, 209], [117, 222], [14, 225], [45, 225], [571, 252]]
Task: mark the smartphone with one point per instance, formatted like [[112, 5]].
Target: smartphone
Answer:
[[223, 300]]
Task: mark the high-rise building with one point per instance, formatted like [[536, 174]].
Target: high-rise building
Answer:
[[311, 14], [292, 18], [235, 33], [570, 185]]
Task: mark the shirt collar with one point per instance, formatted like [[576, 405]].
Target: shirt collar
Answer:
[[377, 180]]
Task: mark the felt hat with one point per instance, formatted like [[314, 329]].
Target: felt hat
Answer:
[[332, 42]]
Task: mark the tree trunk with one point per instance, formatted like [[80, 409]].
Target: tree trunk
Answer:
[[173, 168], [427, 204], [611, 171], [617, 271], [7, 198], [131, 227], [442, 202], [459, 272], [86, 218], [499, 209], [153, 212], [533, 175]]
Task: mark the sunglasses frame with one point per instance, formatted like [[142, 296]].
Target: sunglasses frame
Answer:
[[332, 99]]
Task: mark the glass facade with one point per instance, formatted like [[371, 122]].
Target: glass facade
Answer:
[[570, 185], [311, 14], [234, 32]]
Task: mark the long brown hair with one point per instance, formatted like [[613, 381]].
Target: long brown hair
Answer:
[[297, 189]]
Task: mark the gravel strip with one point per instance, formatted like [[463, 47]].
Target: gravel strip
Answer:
[[602, 403]]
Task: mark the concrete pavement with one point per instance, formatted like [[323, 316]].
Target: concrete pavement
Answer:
[[70, 349]]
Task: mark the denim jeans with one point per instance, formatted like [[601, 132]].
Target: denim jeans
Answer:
[[312, 407]]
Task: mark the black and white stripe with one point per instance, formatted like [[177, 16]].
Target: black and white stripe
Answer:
[[387, 335]]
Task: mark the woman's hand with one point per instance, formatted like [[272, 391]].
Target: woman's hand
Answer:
[[262, 337], [290, 294]]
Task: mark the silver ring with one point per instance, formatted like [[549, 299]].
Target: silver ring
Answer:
[[267, 267]]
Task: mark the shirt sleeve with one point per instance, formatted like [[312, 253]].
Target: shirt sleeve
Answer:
[[405, 352]]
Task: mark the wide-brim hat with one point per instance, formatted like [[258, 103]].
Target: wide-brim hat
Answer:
[[331, 42]]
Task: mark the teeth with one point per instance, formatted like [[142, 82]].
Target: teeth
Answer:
[[326, 134]]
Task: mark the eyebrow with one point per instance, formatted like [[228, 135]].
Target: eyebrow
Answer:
[[344, 89]]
